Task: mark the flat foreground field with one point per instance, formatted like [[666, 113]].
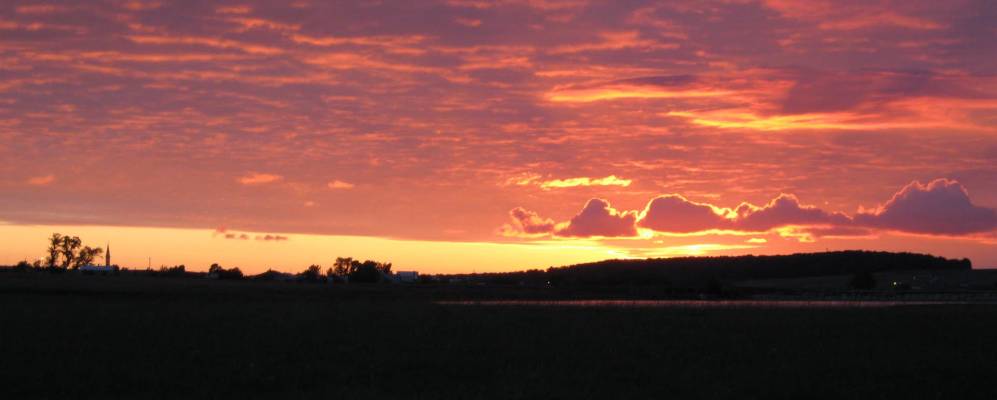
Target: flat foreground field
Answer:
[[73, 336]]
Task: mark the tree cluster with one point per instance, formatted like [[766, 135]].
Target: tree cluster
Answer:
[[347, 269], [68, 252], [218, 272]]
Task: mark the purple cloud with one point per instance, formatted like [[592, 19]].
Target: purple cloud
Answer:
[[598, 218], [940, 207], [529, 222], [782, 211]]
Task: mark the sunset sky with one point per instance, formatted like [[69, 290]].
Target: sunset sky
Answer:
[[466, 135]]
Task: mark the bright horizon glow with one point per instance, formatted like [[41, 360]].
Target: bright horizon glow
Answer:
[[132, 247]]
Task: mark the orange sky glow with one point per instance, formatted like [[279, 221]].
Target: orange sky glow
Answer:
[[461, 136]]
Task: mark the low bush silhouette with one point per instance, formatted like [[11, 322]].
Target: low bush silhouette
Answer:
[[217, 272]]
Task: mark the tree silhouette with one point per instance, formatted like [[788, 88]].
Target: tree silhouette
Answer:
[[368, 271], [218, 272], [86, 255], [55, 244], [312, 274], [68, 252], [343, 266], [68, 248], [23, 266]]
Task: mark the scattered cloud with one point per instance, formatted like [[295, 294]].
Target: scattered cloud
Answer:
[[269, 237], [339, 185], [233, 10], [41, 9], [468, 22], [41, 180], [256, 178], [528, 223], [142, 5], [227, 234]]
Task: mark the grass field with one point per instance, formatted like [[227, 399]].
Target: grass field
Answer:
[[73, 336]]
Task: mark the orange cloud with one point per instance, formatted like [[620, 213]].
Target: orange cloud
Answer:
[[615, 41], [339, 185], [255, 178], [136, 5], [206, 41], [233, 10], [41, 180], [611, 180], [633, 89]]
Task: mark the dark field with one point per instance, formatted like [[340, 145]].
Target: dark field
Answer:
[[74, 336]]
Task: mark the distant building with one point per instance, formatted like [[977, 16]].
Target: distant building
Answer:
[[406, 276], [97, 268], [103, 269]]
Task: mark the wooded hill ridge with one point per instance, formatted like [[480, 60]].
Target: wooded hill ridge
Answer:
[[699, 271]]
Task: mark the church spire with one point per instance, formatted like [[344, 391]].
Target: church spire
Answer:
[[107, 255]]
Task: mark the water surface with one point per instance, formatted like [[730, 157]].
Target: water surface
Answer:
[[703, 303]]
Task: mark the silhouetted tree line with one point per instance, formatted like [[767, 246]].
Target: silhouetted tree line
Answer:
[[710, 272], [346, 269], [174, 271]]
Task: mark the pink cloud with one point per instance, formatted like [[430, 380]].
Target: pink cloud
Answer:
[[782, 211], [673, 213], [529, 223]]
